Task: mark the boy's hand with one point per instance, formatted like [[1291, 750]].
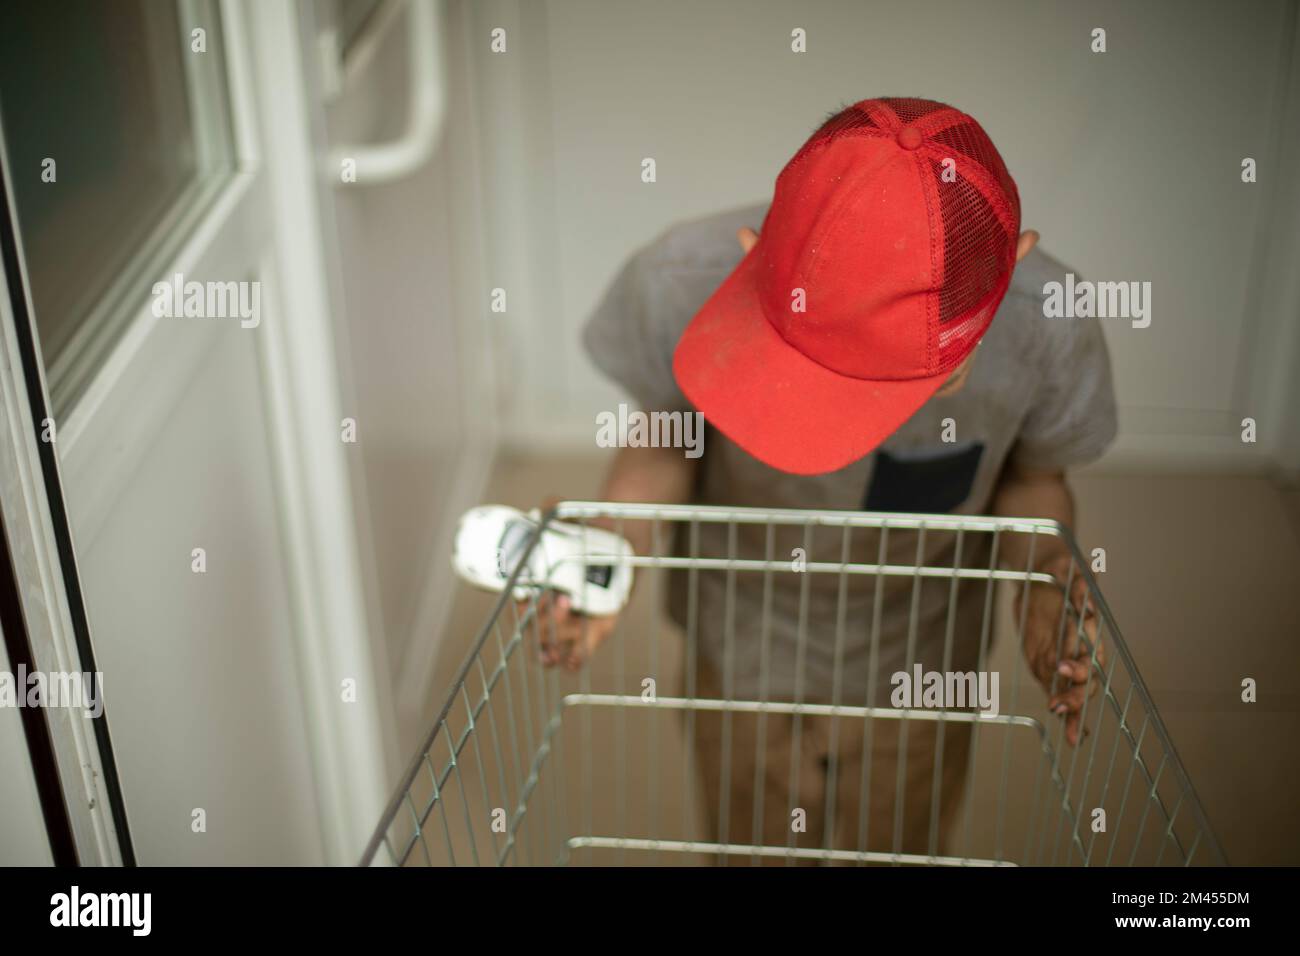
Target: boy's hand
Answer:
[[567, 637], [1064, 676]]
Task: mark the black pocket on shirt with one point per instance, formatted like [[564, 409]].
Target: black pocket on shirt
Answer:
[[924, 480]]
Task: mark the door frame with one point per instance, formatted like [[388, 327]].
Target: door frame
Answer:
[[55, 634], [267, 222]]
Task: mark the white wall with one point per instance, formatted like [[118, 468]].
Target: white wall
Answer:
[[1128, 163]]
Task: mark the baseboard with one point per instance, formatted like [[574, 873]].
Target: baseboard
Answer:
[[1185, 454]]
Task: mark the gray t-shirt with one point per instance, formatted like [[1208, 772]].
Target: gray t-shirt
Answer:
[[1039, 393]]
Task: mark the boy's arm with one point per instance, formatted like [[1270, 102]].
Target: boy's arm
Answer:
[[652, 476], [637, 475], [1022, 493], [1063, 671]]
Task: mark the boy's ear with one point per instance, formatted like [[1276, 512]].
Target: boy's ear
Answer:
[[1028, 239]]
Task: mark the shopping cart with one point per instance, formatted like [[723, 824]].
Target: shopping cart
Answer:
[[759, 722]]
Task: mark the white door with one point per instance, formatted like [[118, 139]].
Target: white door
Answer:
[[157, 148]]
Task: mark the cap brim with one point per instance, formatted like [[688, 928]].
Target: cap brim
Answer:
[[778, 405]]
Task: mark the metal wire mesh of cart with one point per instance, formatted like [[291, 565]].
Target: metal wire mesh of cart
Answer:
[[826, 688]]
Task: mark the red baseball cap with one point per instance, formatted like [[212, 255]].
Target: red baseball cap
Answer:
[[888, 246]]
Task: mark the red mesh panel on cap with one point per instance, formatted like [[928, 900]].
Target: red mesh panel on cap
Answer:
[[846, 122], [968, 139], [846, 119], [980, 212], [976, 249], [909, 110]]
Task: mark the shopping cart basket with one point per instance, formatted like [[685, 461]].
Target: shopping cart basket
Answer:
[[766, 720]]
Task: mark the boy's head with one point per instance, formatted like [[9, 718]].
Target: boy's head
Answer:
[[888, 246]]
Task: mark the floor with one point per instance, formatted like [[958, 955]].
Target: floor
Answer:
[[1201, 575]]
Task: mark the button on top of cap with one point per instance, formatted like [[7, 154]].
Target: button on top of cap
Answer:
[[909, 137]]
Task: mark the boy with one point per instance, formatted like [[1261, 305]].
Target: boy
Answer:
[[878, 345]]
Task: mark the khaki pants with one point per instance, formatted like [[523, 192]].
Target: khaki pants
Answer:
[[776, 765]]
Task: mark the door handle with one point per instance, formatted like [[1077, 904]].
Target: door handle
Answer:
[[426, 106]]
